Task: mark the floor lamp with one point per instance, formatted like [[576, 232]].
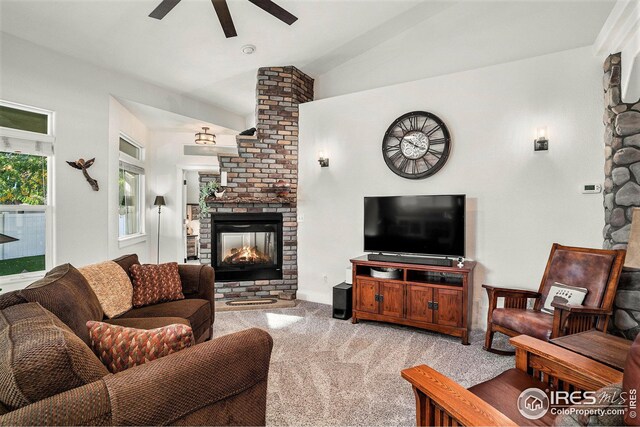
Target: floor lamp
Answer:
[[159, 202]]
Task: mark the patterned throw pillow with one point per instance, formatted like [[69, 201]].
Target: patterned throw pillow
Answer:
[[111, 285], [155, 283], [120, 348]]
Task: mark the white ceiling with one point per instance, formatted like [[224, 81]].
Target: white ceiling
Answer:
[[159, 120], [188, 53]]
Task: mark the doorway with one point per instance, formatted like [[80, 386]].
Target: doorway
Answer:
[[191, 216]]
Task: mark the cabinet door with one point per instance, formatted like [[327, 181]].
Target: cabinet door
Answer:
[[392, 299], [366, 291], [418, 299], [449, 312]]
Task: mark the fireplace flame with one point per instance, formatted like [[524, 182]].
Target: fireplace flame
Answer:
[[246, 255]]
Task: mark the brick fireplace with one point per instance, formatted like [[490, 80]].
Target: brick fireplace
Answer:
[[255, 178]]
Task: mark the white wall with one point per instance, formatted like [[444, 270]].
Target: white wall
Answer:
[[518, 202], [121, 121], [193, 186], [79, 94], [166, 161]]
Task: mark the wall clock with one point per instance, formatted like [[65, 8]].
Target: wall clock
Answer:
[[416, 145]]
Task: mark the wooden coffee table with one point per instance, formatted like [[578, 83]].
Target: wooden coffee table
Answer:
[[604, 348]]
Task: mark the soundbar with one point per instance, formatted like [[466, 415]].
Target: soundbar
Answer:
[[404, 259]]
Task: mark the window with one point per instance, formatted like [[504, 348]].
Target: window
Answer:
[[130, 190], [26, 148]]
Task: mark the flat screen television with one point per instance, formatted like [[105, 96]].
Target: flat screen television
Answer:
[[423, 225]]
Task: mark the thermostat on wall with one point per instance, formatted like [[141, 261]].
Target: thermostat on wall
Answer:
[[591, 188]]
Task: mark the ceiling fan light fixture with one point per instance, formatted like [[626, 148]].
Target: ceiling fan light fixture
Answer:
[[248, 49], [205, 138]]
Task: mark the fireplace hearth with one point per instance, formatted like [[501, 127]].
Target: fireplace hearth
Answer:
[[248, 246]]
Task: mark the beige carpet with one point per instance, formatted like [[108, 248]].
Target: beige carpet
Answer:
[[329, 372]]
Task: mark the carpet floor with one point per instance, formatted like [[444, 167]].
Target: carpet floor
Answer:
[[329, 372]]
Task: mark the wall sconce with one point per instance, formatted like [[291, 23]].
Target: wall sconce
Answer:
[[323, 160], [541, 143]]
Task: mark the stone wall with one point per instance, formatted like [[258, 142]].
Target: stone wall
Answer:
[[621, 190], [262, 161]]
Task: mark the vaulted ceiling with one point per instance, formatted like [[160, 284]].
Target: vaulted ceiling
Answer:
[[187, 51]]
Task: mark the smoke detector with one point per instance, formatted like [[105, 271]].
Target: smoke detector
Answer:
[[248, 49]]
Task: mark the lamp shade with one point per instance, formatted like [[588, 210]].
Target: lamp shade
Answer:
[[205, 138], [159, 201], [7, 239]]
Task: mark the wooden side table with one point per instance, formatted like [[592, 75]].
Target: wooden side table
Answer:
[[604, 348]]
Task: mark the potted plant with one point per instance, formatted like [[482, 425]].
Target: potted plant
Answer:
[[207, 190]]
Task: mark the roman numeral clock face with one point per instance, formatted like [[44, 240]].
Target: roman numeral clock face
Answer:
[[416, 145]]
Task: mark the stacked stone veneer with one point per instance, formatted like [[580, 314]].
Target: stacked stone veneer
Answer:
[[263, 160], [621, 190]]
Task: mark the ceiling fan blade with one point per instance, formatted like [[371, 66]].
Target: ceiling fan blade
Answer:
[[222, 10], [275, 10], [163, 8]]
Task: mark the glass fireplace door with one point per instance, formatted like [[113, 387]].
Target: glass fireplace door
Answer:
[[239, 247], [247, 246]]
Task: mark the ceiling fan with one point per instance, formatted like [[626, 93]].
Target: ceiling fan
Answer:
[[224, 16]]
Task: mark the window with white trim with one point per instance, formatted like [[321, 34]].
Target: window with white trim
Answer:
[[26, 151], [130, 189]]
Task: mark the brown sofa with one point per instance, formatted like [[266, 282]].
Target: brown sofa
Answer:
[[198, 307], [49, 376]]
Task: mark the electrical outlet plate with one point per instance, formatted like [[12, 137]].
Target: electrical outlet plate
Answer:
[[592, 188]]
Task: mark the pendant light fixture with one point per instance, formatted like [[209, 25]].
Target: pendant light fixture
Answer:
[[205, 138]]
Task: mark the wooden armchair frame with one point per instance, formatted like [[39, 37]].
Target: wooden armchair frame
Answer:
[[567, 319], [440, 401]]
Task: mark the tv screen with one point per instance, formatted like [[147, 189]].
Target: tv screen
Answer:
[[426, 225]]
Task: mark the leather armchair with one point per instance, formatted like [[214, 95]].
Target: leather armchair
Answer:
[[598, 270]]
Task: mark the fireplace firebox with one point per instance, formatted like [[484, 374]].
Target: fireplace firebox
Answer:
[[248, 246]]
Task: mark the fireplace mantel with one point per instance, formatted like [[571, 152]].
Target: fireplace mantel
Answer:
[[251, 200]]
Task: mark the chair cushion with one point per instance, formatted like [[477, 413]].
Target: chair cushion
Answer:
[[196, 311], [41, 357], [112, 287], [527, 322], [631, 379], [147, 322], [121, 348], [503, 391], [154, 283], [65, 292]]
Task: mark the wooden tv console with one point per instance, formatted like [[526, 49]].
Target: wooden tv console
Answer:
[[431, 297]]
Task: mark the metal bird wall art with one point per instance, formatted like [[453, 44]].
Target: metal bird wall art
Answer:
[[83, 166]]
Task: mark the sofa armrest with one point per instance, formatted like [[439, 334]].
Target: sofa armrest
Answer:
[[171, 388], [434, 390], [87, 405], [198, 282]]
